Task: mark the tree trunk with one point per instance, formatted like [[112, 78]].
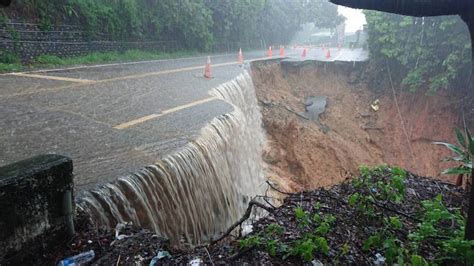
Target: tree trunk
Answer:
[[469, 230], [469, 19]]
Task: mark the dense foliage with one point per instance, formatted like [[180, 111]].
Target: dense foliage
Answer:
[[430, 52], [197, 24], [385, 216]]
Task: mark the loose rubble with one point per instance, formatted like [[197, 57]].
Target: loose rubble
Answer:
[[299, 215]]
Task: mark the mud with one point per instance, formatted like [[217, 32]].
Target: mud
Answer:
[[303, 154]]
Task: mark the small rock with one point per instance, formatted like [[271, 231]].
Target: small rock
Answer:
[[196, 262], [379, 260]]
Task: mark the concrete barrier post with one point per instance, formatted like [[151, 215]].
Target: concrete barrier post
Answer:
[[36, 202]]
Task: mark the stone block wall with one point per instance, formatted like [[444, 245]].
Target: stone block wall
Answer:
[[28, 41]]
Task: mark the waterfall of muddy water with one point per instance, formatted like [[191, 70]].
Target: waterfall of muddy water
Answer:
[[200, 190]]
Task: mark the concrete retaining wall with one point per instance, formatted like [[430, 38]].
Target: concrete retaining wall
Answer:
[[34, 199]]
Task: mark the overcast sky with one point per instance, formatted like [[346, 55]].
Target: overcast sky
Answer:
[[355, 18]]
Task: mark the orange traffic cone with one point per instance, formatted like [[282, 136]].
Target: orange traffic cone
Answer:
[[240, 58], [269, 52], [207, 68], [303, 54], [282, 51], [328, 54]]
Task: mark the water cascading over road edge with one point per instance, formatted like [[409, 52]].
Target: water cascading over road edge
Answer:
[[199, 191]]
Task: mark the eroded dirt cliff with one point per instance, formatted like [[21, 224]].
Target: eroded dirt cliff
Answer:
[[302, 154]]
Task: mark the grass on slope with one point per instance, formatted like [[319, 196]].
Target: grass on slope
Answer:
[[10, 63]]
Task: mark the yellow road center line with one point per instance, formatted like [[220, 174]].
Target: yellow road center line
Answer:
[[168, 111], [137, 121], [170, 71], [52, 77], [191, 104]]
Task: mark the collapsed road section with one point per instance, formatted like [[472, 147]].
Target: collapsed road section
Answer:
[[323, 120]]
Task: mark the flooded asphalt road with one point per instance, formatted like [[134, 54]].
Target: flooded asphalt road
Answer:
[[113, 119]]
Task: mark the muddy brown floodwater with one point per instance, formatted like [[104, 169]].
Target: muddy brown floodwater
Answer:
[[301, 154]]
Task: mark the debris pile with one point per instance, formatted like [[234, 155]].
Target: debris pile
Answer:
[[386, 215]]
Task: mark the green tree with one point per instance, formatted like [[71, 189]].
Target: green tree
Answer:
[[194, 24], [431, 52]]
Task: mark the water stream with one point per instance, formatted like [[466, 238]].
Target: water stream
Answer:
[[199, 191]]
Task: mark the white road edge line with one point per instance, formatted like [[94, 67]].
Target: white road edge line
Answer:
[[52, 77], [339, 55]]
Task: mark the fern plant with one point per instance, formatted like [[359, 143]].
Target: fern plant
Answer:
[[463, 154]]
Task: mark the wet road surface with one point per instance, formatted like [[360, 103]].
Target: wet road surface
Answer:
[[116, 118]]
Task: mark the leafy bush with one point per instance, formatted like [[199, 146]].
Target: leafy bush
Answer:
[[437, 223], [306, 247], [49, 60], [9, 62], [10, 67], [382, 217], [8, 58]]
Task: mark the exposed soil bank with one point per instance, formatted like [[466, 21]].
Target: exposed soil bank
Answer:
[[302, 154]]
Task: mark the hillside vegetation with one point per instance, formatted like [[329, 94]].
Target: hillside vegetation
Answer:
[[432, 53], [198, 24]]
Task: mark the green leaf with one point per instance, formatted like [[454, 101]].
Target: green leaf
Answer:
[[397, 182], [330, 219], [323, 228], [299, 213], [251, 241], [322, 245], [460, 136], [455, 159], [452, 147], [317, 218], [417, 260], [345, 249], [399, 171], [372, 241], [272, 247], [353, 199], [471, 147], [470, 140], [456, 171], [395, 222]]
